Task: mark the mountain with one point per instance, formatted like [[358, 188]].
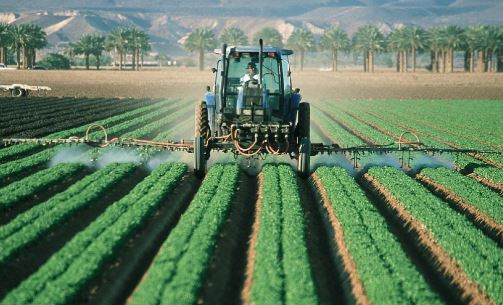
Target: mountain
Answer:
[[169, 22]]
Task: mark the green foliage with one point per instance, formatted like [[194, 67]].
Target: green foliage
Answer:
[[478, 255], [270, 37], [71, 268], [32, 224], [55, 61], [178, 271], [234, 36], [387, 273], [282, 273], [479, 196], [30, 185]]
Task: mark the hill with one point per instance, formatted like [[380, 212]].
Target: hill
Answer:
[[169, 22]]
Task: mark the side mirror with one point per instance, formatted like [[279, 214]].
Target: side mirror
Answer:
[[213, 70], [296, 90]]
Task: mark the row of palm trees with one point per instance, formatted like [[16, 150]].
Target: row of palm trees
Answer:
[[483, 42], [121, 40], [25, 39]]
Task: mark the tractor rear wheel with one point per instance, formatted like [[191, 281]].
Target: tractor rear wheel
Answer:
[[304, 158], [303, 123], [202, 125], [201, 134]]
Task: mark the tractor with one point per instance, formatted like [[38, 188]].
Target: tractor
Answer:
[[261, 116]]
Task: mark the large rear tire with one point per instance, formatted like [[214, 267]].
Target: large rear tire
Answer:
[[201, 134], [199, 157], [202, 125], [303, 122], [303, 167]]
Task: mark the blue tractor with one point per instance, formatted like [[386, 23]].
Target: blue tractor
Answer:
[[256, 114]]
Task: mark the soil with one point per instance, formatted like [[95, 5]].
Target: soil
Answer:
[[315, 85]]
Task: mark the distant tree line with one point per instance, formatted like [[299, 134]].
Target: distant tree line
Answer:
[[482, 45], [25, 39]]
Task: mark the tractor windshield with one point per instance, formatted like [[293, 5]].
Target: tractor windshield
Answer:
[[237, 69]]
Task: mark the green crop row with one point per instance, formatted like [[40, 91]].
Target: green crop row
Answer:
[[17, 166], [398, 127], [370, 133], [177, 273], [473, 192], [11, 151], [78, 262], [28, 186], [491, 173], [282, 272], [35, 222], [479, 256], [337, 133], [387, 273]]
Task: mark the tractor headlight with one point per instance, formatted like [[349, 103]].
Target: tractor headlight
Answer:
[[247, 112]]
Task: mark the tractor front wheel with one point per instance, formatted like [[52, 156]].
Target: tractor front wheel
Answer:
[[303, 161], [201, 134]]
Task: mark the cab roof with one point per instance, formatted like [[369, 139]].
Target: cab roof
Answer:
[[251, 49]]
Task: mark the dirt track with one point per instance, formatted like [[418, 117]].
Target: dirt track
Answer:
[[315, 85]]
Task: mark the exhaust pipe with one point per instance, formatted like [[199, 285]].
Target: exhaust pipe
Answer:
[[223, 84], [261, 43]]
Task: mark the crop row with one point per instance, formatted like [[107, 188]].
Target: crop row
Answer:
[[40, 126], [281, 273], [377, 269], [29, 186], [480, 203], [12, 151], [74, 265], [19, 107], [177, 274], [15, 167], [467, 257], [30, 225]]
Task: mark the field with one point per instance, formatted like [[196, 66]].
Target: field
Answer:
[[82, 225]]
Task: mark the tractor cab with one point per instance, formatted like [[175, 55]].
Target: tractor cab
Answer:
[[260, 96]]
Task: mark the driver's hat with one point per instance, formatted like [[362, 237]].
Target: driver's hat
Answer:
[[250, 65]]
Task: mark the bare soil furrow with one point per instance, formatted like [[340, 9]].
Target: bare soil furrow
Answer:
[[122, 274], [226, 276], [353, 287], [446, 268], [487, 224]]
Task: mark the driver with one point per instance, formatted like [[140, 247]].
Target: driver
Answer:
[[251, 73]]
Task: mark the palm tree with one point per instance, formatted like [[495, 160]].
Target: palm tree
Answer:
[[118, 41], [396, 41], [415, 38], [453, 41], [270, 37], [334, 39], [369, 40], [98, 46], [499, 53], [138, 44], [436, 43], [84, 46], [301, 40], [5, 41], [17, 42], [489, 38], [201, 40], [34, 39], [233, 36], [471, 39]]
